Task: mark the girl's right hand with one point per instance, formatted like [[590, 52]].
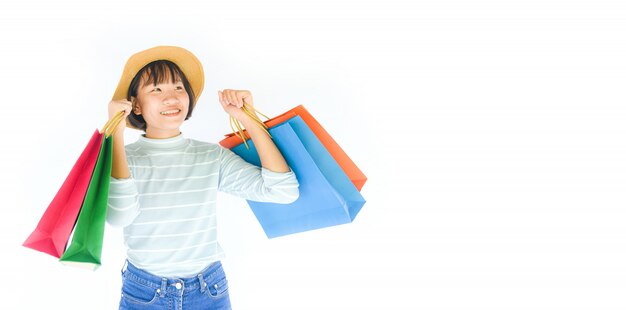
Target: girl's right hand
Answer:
[[115, 106]]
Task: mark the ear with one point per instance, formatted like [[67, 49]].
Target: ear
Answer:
[[136, 106]]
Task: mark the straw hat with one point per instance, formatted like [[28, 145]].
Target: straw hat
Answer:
[[186, 61]]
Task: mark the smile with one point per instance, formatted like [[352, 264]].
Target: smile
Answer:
[[171, 112]]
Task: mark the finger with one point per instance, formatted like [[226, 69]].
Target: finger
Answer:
[[232, 98], [223, 99], [247, 98], [236, 98], [239, 96], [226, 94], [126, 107]]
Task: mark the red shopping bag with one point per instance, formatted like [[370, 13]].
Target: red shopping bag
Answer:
[[347, 165], [55, 226]]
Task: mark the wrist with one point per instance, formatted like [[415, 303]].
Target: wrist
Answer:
[[246, 118], [246, 121], [118, 134]]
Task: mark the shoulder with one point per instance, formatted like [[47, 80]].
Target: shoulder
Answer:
[[132, 149], [204, 147]]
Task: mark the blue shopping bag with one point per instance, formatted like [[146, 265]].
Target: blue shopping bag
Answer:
[[327, 196]]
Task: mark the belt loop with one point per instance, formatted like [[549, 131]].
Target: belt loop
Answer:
[[161, 291], [202, 283], [124, 266]]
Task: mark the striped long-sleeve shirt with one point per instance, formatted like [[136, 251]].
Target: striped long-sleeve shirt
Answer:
[[168, 204]]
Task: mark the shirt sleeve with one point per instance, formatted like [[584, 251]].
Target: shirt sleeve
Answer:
[[123, 202], [245, 180]]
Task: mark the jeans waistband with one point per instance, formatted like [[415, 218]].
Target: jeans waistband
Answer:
[[165, 284]]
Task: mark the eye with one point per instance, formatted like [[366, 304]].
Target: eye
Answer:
[[156, 89], [179, 88]]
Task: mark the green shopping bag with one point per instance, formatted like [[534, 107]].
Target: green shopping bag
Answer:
[[85, 248]]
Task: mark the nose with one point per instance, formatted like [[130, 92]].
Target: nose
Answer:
[[170, 97]]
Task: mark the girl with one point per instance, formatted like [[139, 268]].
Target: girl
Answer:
[[163, 186]]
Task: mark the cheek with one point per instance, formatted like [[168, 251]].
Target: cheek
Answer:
[[187, 102]]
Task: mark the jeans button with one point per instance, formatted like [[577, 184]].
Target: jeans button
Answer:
[[179, 286]]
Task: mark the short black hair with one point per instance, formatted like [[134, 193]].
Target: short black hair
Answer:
[[157, 72]]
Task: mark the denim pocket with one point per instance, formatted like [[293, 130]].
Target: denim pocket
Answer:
[[218, 287], [139, 294]]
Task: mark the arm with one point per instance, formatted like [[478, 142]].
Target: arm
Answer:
[[123, 199], [245, 180], [119, 168], [271, 158], [123, 202], [273, 182]]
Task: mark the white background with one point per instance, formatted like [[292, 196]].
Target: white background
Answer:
[[492, 133]]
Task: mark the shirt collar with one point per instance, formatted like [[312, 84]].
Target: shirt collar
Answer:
[[167, 143]]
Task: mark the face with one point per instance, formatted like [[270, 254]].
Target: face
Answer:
[[163, 106]]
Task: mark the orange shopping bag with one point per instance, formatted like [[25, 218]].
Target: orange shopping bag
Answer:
[[347, 165]]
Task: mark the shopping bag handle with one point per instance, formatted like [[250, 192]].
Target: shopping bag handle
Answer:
[[239, 132], [112, 124]]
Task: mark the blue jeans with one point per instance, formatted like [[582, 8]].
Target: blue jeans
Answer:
[[143, 290]]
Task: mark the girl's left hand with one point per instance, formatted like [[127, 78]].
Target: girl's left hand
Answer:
[[232, 100]]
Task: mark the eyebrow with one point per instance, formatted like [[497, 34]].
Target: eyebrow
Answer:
[[167, 82]]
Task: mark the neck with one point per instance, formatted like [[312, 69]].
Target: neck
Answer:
[[161, 144], [162, 134]]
